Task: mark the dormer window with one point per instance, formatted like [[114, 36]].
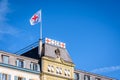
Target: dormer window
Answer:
[[20, 63], [5, 59], [77, 76], [86, 77], [97, 79], [57, 52], [34, 66]]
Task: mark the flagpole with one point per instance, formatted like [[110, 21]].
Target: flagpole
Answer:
[[37, 18], [41, 26], [40, 41]]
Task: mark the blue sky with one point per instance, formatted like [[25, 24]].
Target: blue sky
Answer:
[[90, 29]]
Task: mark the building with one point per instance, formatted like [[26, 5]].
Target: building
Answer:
[[14, 67], [53, 63], [83, 75]]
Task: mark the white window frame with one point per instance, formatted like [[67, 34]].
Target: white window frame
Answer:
[[4, 58], [20, 63]]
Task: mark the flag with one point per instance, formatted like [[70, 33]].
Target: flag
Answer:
[[36, 18]]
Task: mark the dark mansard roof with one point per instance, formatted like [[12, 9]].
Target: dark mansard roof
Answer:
[[49, 51]]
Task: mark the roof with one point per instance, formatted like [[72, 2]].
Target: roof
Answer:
[[94, 74], [49, 51]]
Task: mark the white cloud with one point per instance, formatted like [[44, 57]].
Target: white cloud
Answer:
[[3, 10], [106, 69], [5, 28]]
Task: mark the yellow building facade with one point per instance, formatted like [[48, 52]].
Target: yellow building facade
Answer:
[[56, 69]]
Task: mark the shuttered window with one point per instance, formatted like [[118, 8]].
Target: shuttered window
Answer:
[[19, 78], [86, 77], [20, 63], [5, 76], [34, 66]]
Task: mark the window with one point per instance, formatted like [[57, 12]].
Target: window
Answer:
[[57, 70], [34, 66], [76, 76], [60, 70], [19, 78], [67, 72], [5, 59], [5, 76], [50, 68], [86, 77], [97, 79], [57, 52], [20, 63]]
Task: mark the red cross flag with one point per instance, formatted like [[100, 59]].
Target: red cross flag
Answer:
[[36, 18]]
